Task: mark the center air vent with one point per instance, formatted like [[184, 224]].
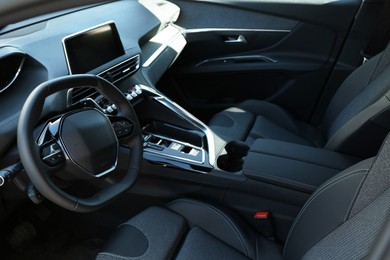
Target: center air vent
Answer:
[[113, 74], [121, 70], [78, 94]]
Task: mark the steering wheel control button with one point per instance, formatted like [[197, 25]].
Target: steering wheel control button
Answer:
[[52, 154], [122, 128]]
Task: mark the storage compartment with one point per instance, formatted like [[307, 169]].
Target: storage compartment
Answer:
[[294, 166]]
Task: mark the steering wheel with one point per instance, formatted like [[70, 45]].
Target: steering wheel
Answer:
[[84, 143]]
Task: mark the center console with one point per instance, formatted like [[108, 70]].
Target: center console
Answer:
[[172, 136]]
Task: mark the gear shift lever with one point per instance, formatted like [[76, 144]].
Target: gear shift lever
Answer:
[[232, 161]]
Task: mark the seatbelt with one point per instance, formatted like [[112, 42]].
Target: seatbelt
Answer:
[[381, 35]]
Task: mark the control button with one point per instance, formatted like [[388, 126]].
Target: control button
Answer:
[[55, 159], [52, 154], [193, 152], [109, 109], [122, 128], [146, 137], [129, 97], [45, 151], [114, 107], [138, 89], [133, 94], [176, 146]]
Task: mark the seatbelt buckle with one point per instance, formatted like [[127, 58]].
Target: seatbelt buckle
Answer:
[[264, 223]]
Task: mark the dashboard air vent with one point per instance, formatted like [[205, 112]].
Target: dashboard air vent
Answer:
[[11, 64], [113, 74], [78, 94], [121, 70]]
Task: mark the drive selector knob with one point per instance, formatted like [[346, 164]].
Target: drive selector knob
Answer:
[[232, 161]]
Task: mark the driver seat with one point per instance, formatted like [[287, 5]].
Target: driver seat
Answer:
[[340, 220]]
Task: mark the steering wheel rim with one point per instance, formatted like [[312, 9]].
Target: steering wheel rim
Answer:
[[29, 150]]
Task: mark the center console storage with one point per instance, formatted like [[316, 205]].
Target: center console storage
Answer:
[[293, 166]]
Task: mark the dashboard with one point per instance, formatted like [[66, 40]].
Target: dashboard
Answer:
[[126, 42]]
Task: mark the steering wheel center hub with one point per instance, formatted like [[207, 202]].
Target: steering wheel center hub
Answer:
[[89, 141]]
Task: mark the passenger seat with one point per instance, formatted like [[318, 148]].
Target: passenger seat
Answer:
[[356, 121]]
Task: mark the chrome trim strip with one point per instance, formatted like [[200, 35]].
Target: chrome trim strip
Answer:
[[188, 117], [16, 75], [200, 30], [164, 45], [260, 58]]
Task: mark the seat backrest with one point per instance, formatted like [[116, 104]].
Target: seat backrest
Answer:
[[360, 109], [344, 215]]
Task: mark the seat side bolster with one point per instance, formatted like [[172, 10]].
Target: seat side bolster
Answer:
[[326, 209]]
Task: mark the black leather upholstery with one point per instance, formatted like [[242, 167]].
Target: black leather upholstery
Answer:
[[355, 121], [188, 229]]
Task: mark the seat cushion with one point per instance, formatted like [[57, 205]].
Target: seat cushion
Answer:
[[186, 229], [153, 234], [255, 119]]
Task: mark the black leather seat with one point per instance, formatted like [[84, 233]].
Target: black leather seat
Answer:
[[355, 121], [339, 221]]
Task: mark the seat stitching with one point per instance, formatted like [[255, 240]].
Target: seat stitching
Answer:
[[354, 198], [272, 179], [226, 219], [115, 255]]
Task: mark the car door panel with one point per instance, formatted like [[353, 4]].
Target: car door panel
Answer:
[[284, 55]]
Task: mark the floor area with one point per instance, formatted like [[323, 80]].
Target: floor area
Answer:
[[38, 233]]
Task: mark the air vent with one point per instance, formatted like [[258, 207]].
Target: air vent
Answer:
[[121, 70], [11, 63], [115, 73], [82, 93]]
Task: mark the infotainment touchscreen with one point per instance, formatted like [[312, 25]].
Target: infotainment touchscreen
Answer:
[[92, 48]]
